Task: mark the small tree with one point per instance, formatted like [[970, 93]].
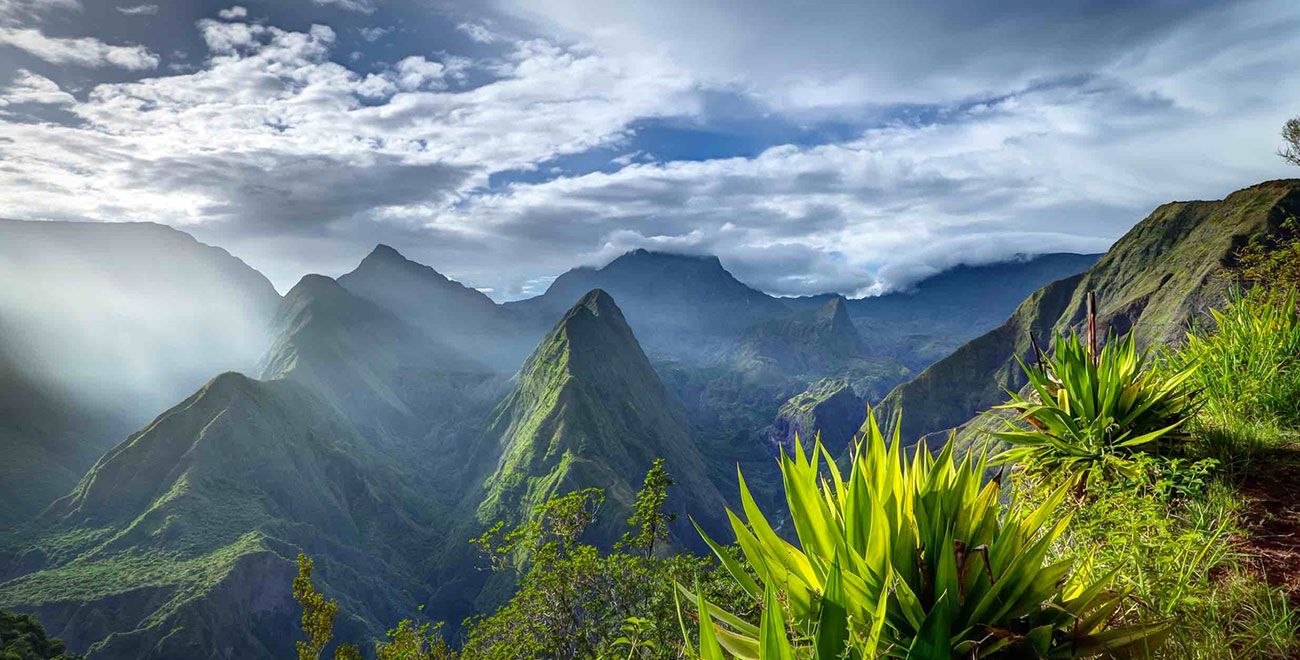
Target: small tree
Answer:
[[648, 516], [1290, 151], [317, 617]]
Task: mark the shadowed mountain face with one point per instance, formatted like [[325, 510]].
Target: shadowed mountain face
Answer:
[[944, 311], [823, 341], [680, 306], [1163, 273], [387, 375], [101, 326], [448, 311]]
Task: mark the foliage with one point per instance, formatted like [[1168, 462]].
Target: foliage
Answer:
[[23, 638], [317, 617], [1169, 538], [1290, 152], [909, 559], [1249, 360], [1273, 260], [648, 515], [1085, 411], [409, 642], [575, 601]]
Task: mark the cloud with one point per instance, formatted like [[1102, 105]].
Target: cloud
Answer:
[[359, 6], [233, 13], [271, 143], [478, 32], [139, 10], [374, 33], [84, 51], [17, 12], [276, 149], [28, 87]]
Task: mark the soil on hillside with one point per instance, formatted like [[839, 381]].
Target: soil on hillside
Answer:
[[1272, 487]]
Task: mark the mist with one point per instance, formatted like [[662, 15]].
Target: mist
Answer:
[[128, 318]]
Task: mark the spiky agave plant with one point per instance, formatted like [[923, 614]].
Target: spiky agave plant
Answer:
[[908, 559], [1084, 411]]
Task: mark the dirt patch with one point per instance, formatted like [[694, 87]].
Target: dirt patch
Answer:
[[1272, 486]]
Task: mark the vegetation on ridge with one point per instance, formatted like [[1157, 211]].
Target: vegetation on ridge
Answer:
[[1088, 407]]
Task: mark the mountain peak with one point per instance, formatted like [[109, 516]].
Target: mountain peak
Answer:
[[312, 285], [834, 313], [653, 256], [599, 303], [385, 251], [587, 410]]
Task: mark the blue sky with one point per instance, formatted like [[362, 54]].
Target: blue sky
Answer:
[[821, 146]]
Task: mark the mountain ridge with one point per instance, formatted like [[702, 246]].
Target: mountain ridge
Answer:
[[1165, 272]]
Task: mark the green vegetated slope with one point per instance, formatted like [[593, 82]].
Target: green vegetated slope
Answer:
[[1164, 272], [179, 542], [588, 410], [828, 409], [101, 326]]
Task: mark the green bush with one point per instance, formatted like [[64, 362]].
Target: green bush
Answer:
[[909, 559], [1248, 359], [23, 638], [1084, 411]]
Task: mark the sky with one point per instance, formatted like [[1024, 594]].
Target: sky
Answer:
[[848, 146]]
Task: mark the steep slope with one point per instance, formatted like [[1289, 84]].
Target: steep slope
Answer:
[[944, 311], [45, 440], [679, 305], [101, 326], [1165, 271], [179, 542], [448, 311], [827, 409], [588, 410], [388, 376], [818, 342]]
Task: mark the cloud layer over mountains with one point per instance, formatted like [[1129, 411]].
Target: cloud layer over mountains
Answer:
[[843, 146]]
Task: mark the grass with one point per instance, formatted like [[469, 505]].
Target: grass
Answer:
[[1179, 534]]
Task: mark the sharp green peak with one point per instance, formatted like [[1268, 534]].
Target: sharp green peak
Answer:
[[598, 303], [587, 410]]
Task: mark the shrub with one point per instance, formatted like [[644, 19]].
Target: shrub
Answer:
[[1085, 411], [914, 559], [1248, 359]]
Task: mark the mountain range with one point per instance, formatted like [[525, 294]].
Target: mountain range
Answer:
[[391, 413]]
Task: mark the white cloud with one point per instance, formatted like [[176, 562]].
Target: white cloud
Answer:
[[374, 33], [28, 87], [233, 13], [271, 139], [299, 162], [85, 51], [478, 32], [15, 12], [360, 6], [139, 10]]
